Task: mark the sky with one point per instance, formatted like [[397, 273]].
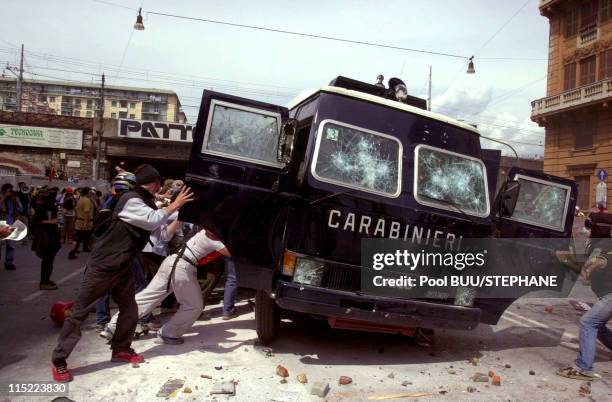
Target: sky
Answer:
[[80, 39]]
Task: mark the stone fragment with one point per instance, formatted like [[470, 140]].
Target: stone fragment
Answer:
[[224, 388], [531, 372], [391, 375], [187, 390], [282, 371], [319, 389], [302, 379], [480, 377]]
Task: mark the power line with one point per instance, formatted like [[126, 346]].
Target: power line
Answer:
[[502, 27], [306, 35]]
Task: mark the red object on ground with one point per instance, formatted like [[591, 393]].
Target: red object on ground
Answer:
[[496, 380], [61, 374], [548, 309], [127, 356], [60, 311]]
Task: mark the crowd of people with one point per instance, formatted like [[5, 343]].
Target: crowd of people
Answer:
[[138, 254]]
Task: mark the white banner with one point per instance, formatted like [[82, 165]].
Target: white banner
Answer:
[[155, 130], [43, 137]]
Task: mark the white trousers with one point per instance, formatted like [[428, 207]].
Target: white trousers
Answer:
[[186, 289]]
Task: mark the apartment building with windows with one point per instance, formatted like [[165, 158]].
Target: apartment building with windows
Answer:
[[577, 109], [83, 100]]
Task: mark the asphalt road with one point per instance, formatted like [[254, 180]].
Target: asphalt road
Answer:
[[527, 338]]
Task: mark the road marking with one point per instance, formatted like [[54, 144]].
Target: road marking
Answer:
[[63, 280], [541, 325]]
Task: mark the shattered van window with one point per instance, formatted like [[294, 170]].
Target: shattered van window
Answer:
[[540, 204], [358, 159], [449, 179], [243, 133]]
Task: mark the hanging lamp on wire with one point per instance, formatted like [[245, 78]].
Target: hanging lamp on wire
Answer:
[[470, 69], [139, 26]]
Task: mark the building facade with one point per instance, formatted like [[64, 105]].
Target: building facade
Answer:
[[83, 100], [577, 109]]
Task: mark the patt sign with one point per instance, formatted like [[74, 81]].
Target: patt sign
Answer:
[[155, 130]]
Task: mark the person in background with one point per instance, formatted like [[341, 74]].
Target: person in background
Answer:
[[46, 242], [83, 223], [108, 269], [11, 209], [25, 198], [68, 205], [230, 289]]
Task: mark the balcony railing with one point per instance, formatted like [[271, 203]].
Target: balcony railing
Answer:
[[597, 91], [588, 35]]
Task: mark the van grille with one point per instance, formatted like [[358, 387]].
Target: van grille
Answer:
[[341, 278]]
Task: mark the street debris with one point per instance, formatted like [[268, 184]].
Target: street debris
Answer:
[[282, 371], [302, 379], [507, 365], [406, 383], [531, 372], [480, 377], [474, 361], [170, 388], [266, 351], [135, 365], [471, 389], [580, 305], [548, 309], [206, 376], [344, 380], [223, 388], [187, 390], [319, 389], [491, 374], [398, 396], [585, 389], [496, 380], [391, 375], [218, 367], [283, 381], [451, 371]]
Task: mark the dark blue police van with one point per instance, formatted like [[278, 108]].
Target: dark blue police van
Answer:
[[291, 191]]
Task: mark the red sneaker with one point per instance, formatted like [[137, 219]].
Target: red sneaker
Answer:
[[61, 373], [127, 356]]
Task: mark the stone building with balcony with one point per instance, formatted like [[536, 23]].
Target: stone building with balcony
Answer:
[[83, 100], [577, 109]]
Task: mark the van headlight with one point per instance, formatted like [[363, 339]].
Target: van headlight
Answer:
[[308, 271]]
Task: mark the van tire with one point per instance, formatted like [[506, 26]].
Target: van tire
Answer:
[[267, 317]]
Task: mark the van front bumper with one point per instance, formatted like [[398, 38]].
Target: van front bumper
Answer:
[[374, 309]]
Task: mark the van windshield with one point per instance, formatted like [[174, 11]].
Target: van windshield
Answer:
[[357, 158], [443, 177]]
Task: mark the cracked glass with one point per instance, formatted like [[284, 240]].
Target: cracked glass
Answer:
[[540, 204], [243, 133], [449, 179], [358, 159]]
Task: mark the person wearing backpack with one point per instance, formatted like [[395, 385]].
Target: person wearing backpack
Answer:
[[68, 205], [108, 269], [179, 274]]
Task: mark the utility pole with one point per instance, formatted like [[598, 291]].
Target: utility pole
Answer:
[[429, 92], [20, 82], [100, 130]]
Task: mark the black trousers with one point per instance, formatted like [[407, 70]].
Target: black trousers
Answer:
[[97, 283], [46, 266]]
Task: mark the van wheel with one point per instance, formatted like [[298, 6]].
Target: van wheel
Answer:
[[267, 317]]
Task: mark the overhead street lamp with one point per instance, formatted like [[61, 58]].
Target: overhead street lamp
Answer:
[[470, 69], [139, 26]]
